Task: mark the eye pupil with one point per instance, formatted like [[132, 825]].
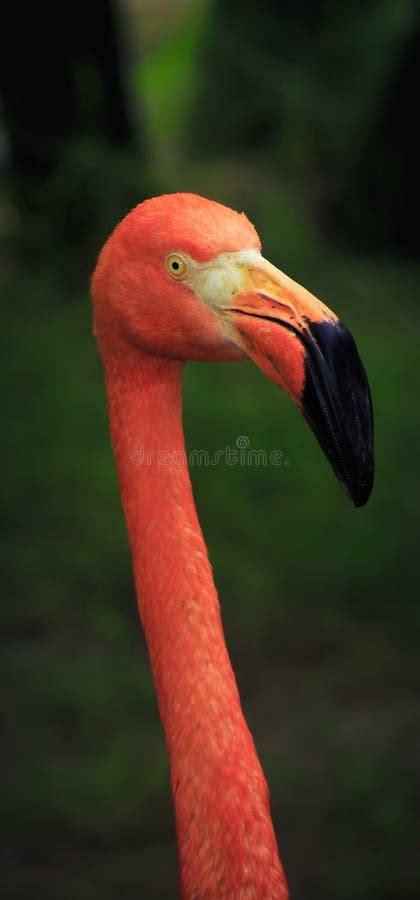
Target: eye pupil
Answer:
[[176, 265]]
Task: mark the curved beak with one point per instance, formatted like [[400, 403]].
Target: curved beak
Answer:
[[303, 347]]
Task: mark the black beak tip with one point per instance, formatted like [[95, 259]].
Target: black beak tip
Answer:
[[361, 500], [337, 404], [360, 491]]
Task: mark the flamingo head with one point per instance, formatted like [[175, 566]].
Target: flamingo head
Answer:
[[184, 277]]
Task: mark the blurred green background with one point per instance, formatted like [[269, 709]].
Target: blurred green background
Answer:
[[303, 116]]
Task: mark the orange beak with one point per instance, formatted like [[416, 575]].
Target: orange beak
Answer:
[[302, 346]]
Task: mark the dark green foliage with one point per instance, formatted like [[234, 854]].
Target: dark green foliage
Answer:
[[320, 601], [327, 92]]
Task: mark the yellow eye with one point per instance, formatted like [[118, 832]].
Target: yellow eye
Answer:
[[176, 265]]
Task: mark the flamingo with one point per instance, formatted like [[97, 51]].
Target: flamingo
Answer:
[[182, 278]]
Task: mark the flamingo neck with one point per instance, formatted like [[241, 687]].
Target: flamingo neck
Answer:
[[227, 846]]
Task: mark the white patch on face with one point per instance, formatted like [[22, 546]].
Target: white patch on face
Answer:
[[216, 281]]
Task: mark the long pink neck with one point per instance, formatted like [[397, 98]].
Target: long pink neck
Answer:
[[226, 841]]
